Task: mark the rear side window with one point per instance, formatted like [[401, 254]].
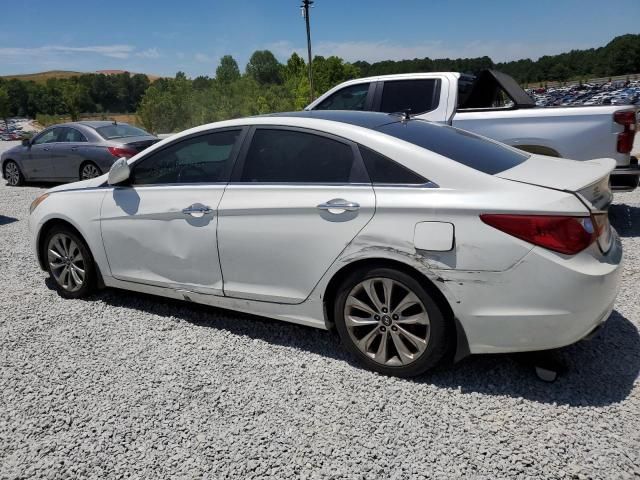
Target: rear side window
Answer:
[[120, 130], [205, 158], [71, 135], [419, 96], [297, 157], [458, 145], [349, 98], [383, 170]]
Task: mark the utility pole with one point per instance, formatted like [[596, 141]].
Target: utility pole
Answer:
[[305, 13]]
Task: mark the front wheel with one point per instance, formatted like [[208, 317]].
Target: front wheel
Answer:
[[70, 263], [13, 174], [390, 323], [89, 170]]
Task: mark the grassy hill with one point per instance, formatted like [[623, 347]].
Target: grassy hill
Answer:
[[42, 77]]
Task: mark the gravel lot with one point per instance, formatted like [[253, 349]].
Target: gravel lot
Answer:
[[128, 385]]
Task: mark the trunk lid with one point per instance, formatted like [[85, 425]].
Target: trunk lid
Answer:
[[138, 143], [588, 179]]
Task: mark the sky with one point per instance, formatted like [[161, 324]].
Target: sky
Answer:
[[162, 37]]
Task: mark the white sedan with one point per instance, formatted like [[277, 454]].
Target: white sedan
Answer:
[[410, 238]]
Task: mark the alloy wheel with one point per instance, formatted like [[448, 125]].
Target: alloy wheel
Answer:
[[12, 173], [66, 262], [89, 171], [387, 321]]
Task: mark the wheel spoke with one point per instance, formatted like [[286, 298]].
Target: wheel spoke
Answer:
[[74, 275], [352, 321], [419, 343], [387, 285], [64, 277], [365, 342], [419, 319], [409, 300], [381, 353], [404, 355], [369, 288], [353, 302]]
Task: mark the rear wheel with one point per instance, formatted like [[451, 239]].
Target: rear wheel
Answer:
[[70, 263], [390, 323], [13, 174], [89, 170]]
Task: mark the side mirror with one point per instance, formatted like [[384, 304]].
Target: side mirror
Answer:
[[119, 172], [26, 142]]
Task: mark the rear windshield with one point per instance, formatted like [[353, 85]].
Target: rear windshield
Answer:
[[459, 145], [119, 131]]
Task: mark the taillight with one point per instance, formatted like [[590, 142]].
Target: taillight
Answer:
[[627, 119], [568, 235], [121, 152]]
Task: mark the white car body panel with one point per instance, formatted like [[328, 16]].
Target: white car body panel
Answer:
[[147, 238], [278, 254], [268, 237]]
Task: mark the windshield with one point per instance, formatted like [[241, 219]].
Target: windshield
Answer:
[[459, 145], [120, 130]]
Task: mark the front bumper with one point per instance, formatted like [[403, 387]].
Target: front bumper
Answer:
[[626, 179], [545, 301]]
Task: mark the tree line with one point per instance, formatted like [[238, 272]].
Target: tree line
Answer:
[[90, 92], [266, 85]]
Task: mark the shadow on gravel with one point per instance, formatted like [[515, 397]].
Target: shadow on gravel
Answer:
[[7, 220], [599, 372], [625, 219]]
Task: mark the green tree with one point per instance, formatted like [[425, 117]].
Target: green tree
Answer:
[[228, 70], [264, 68], [75, 97]]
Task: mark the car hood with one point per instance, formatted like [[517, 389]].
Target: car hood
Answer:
[[14, 149], [588, 178], [90, 183]]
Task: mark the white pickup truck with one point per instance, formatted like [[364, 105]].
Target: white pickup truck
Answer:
[[493, 104]]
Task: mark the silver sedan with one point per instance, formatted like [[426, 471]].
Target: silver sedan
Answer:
[[73, 151]]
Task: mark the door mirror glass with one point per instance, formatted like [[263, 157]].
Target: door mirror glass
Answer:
[[26, 142], [119, 172]]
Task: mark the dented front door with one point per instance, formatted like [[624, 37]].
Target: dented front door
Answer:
[[164, 235]]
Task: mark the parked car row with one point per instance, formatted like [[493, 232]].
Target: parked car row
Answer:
[[616, 93], [16, 129]]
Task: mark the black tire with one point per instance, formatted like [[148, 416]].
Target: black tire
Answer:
[[13, 174], [437, 332], [87, 264], [89, 166]]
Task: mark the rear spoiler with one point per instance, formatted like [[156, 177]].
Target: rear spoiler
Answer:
[[487, 86]]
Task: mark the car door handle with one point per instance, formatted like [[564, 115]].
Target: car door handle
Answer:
[[73, 149], [197, 210], [46, 149], [339, 204]]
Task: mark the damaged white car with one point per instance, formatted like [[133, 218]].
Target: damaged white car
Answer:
[[410, 238]]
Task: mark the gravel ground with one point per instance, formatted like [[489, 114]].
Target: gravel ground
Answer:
[[128, 385]]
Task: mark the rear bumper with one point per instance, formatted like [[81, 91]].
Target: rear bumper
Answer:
[[546, 301], [625, 179]]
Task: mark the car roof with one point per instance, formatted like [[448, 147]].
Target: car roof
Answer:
[[362, 119]]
